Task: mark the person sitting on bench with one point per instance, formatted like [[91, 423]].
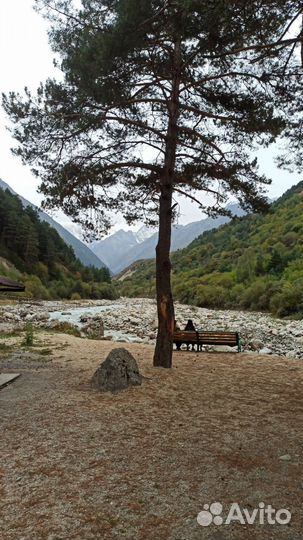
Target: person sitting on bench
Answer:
[[190, 326]]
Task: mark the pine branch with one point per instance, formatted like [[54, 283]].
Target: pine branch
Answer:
[[220, 76], [279, 43], [132, 165], [201, 137], [130, 122]]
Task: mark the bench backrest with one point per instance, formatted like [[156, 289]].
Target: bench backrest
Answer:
[[185, 336], [222, 338]]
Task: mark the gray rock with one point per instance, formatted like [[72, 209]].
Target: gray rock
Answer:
[[292, 354], [98, 318], [85, 317], [273, 331], [51, 324], [134, 321], [117, 372], [42, 316], [257, 330], [8, 316], [22, 313], [265, 350], [7, 328], [256, 344], [29, 317], [155, 324], [132, 339], [94, 328], [285, 457], [221, 348]]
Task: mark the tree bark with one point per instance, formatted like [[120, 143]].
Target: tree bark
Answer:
[[165, 306]]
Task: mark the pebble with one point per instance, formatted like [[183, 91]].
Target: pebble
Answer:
[[135, 321], [286, 457], [265, 350]]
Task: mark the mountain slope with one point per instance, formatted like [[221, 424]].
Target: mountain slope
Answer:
[[254, 262], [84, 254], [121, 249], [32, 252], [113, 249]]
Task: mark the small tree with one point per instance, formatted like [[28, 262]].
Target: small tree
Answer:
[[158, 97]]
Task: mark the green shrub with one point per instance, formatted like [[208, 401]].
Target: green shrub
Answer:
[[75, 296], [257, 296], [289, 300], [35, 289], [211, 296], [29, 336], [236, 293]]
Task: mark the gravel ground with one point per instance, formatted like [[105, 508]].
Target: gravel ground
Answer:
[[134, 320], [140, 465]]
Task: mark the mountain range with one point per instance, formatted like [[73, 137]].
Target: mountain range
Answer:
[[122, 248], [84, 254]]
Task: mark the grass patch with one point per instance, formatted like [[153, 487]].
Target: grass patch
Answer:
[[5, 348], [66, 328], [13, 333]]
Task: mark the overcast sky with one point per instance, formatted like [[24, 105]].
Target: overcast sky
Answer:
[[25, 60]]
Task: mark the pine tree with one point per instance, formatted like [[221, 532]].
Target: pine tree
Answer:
[[159, 97]]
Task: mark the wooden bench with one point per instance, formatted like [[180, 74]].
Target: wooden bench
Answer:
[[187, 337], [200, 338], [230, 339]]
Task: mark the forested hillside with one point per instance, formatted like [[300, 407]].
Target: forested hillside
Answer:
[[82, 252], [255, 262], [41, 259]]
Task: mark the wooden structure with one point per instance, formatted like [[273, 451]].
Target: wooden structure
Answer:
[[8, 285], [200, 338]]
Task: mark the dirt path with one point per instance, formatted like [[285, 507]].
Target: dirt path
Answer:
[[76, 464]]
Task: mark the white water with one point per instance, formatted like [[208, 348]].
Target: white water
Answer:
[[74, 315]]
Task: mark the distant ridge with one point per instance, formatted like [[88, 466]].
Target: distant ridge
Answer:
[[82, 252], [123, 248]]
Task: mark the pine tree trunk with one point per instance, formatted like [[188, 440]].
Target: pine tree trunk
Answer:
[[165, 306]]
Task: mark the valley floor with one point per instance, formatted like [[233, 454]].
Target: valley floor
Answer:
[[140, 465]]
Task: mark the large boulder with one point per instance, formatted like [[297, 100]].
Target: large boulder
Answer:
[[94, 327], [118, 371]]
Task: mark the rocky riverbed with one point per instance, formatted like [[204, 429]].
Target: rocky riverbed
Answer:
[[134, 320]]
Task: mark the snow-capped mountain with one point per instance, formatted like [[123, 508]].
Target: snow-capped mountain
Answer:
[[125, 247], [114, 248], [143, 233]]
